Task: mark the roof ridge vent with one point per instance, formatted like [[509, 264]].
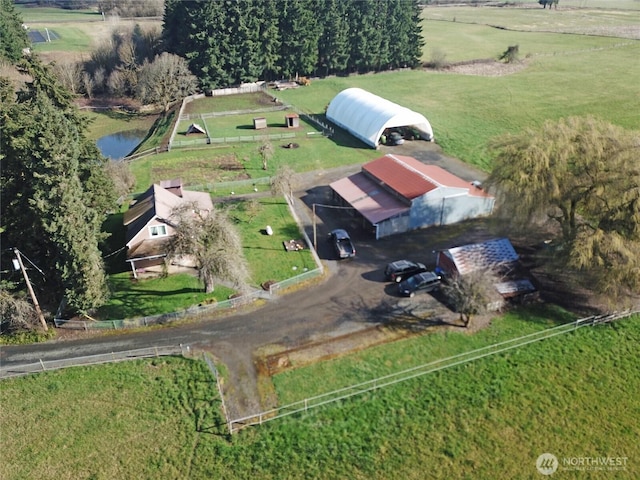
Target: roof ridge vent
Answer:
[[414, 170]]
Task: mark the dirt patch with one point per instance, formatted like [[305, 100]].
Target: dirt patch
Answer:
[[216, 169], [485, 68], [227, 162], [325, 349]]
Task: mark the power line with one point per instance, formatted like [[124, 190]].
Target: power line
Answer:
[[33, 264]]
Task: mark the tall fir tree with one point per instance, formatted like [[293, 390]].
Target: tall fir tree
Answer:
[[299, 34], [13, 37], [333, 46], [55, 188], [268, 49]]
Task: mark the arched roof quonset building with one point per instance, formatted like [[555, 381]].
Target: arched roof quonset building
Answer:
[[366, 116]]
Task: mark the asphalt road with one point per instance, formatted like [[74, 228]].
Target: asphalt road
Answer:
[[349, 297]]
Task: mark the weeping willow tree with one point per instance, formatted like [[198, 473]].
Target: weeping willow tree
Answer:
[[584, 174], [213, 242]]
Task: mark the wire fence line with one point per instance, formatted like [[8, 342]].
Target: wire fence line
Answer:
[[216, 376], [196, 116], [160, 319], [112, 357], [191, 312], [205, 142], [391, 379]]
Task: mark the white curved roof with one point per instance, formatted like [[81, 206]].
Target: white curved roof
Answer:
[[366, 115]]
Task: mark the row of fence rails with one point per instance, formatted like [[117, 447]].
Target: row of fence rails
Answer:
[[303, 232], [303, 277], [203, 142], [111, 357], [420, 370], [214, 371], [246, 88], [163, 318], [226, 113], [146, 153]]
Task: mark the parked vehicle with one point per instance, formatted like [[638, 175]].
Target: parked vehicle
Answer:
[[425, 281], [395, 139], [401, 269], [342, 243]]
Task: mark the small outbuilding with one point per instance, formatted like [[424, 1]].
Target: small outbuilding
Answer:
[[476, 256], [292, 120], [194, 128], [366, 116], [259, 123]]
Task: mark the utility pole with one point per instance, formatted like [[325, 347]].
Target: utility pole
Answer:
[[315, 246], [30, 288]]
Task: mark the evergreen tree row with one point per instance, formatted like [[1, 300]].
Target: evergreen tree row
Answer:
[[227, 42]]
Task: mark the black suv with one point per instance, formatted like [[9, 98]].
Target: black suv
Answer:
[[425, 281], [401, 269]]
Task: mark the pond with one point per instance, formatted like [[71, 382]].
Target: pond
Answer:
[[119, 145]]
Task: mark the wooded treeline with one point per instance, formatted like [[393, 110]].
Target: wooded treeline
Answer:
[[234, 41]]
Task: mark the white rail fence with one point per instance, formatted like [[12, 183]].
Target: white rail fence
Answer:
[[343, 393], [111, 357]]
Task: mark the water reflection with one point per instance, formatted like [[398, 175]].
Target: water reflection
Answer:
[[119, 145]]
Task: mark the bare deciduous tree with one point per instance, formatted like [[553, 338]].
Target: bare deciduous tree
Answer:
[[69, 74], [123, 178], [165, 80], [283, 182], [88, 84], [471, 294], [266, 151], [213, 241]]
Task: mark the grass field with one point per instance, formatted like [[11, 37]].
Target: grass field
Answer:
[[573, 396]]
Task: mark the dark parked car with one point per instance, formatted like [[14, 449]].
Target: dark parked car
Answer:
[[425, 281], [342, 243], [401, 269], [395, 138]]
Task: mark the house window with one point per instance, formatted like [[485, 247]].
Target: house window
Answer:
[[158, 231]]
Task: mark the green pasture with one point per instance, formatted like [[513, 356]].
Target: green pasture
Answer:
[[48, 14], [70, 39], [574, 395], [242, 125], [588, 77], [128, 420], [463, 41], [584, 21], [301, 383], [108, 122]]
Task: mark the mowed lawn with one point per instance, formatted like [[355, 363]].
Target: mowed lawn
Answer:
[[574, 396]]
